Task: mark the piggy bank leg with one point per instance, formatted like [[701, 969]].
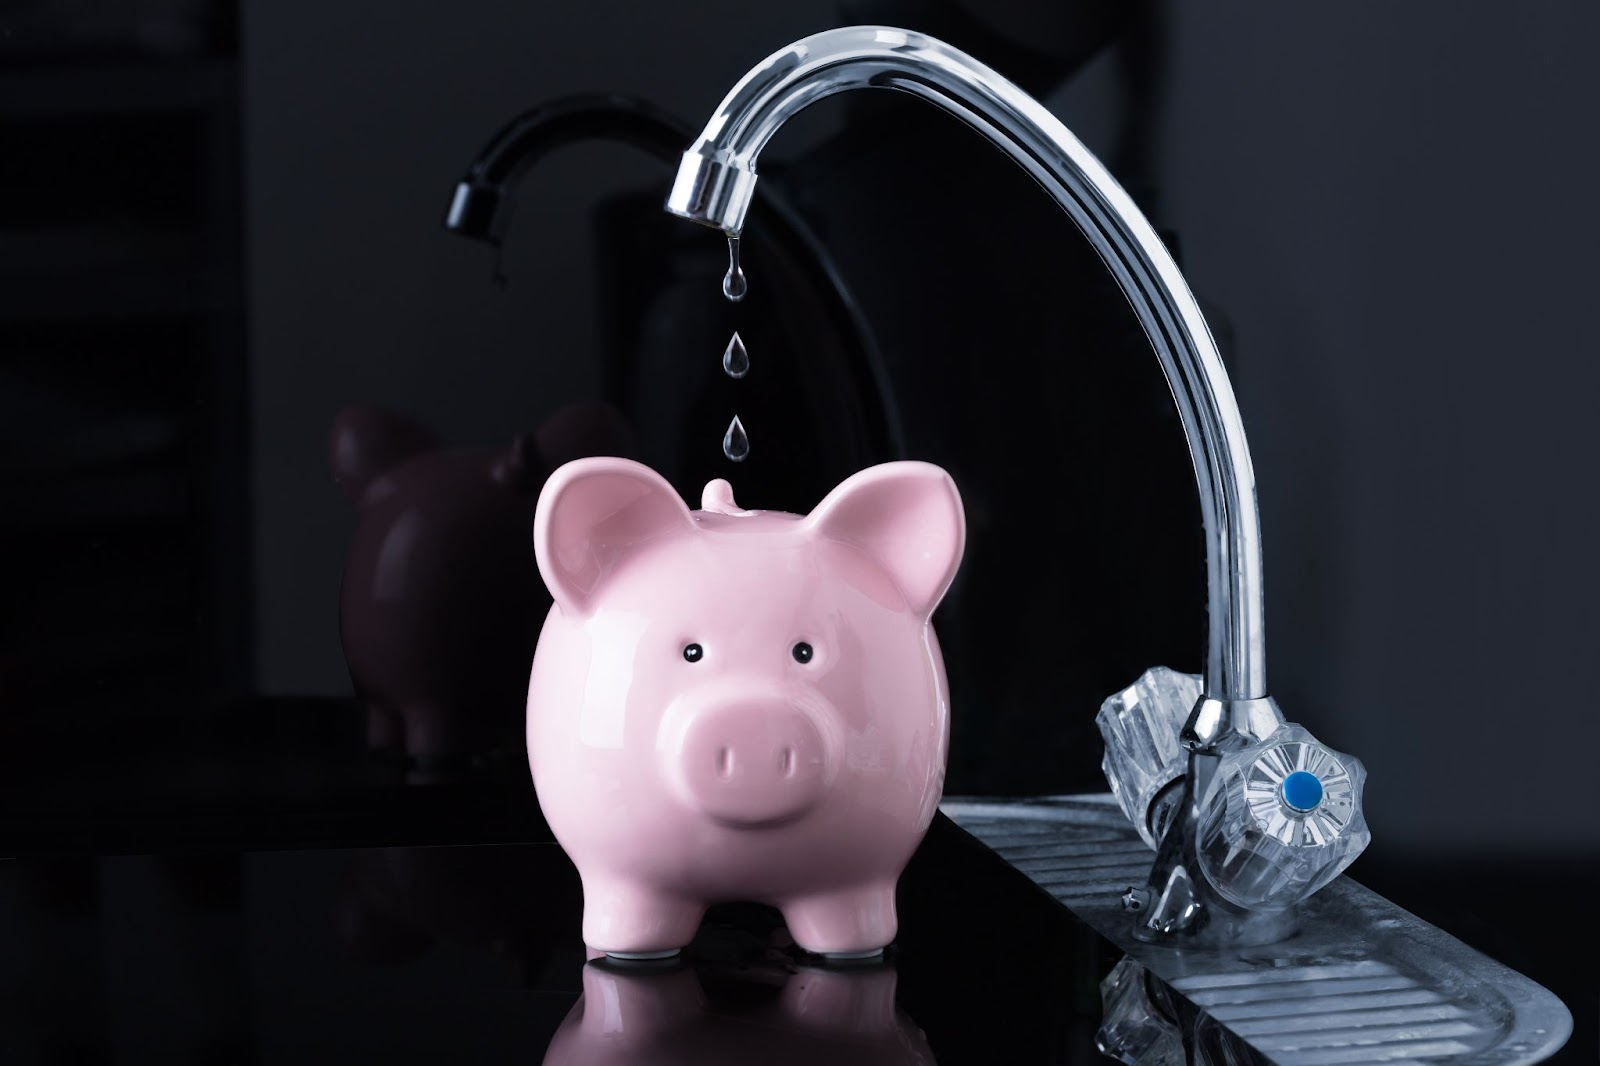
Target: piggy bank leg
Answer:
[[855, 923], [431, 733], [626, 921]]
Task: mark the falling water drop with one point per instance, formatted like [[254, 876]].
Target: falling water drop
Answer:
[[733, 283], [735, 360], [735, 444]]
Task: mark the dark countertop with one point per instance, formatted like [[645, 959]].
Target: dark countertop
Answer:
[[472, 953], [264, 890]]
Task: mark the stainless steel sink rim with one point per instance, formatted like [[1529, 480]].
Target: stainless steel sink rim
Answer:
[[1363, 981]]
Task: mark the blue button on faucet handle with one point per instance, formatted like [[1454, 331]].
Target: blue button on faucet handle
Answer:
[[1302, 791]]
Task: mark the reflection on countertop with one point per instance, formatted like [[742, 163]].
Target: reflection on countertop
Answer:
[[204, 953], [643, 1014], [472, 953]]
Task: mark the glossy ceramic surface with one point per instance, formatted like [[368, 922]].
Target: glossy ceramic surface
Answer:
[[741, 705]]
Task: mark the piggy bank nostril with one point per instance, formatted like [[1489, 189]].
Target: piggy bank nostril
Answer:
[[786, 761], [724, 762]]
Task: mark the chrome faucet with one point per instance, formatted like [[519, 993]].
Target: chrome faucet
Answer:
[[1194, 894]]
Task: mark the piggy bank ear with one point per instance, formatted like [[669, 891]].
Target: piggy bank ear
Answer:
[[367, 442], [908, 517], [592, 515]]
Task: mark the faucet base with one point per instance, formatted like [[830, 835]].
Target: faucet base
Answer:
[[1249, 815], [1184, 917], [1178, 905]]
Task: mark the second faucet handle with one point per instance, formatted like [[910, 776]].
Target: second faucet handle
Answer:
[[1144, 760]]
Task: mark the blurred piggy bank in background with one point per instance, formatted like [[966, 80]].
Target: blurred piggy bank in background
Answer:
[[806, 1018], [441, 601], [740, 705]]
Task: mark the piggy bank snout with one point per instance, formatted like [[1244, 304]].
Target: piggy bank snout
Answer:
[[751, 762]]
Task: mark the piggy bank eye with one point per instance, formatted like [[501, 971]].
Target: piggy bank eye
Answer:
[[693, 652], [802, 652]]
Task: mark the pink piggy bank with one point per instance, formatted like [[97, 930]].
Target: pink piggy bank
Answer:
[[740, 705]]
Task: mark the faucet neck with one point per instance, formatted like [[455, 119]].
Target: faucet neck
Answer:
[[717, 177]]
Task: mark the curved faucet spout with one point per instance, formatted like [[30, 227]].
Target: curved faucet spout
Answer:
[[714, 185]]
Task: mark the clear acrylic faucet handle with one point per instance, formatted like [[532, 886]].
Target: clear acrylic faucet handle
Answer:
[[1281, 819], [1144, 759]]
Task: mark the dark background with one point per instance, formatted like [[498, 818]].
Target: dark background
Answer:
[[221, 225], [1392, 204]]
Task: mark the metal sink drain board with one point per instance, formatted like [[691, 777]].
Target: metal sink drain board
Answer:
[[1362, 982]]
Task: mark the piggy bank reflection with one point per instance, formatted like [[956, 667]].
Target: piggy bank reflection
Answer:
[[740, 705], [810, 1017], [440, 603]]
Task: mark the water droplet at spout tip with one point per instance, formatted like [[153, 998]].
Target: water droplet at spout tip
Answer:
[[735, 442], [733, 283], [735, 359]]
